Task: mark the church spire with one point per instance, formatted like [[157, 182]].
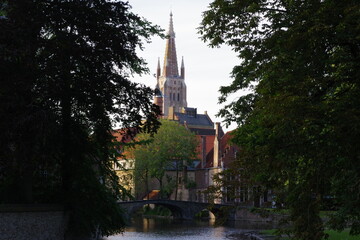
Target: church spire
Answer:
[[171, 86], [170, 68], [158, 70], [182, 69]]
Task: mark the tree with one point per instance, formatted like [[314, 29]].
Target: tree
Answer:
[[65, 69], [172, 147], [298, 128]]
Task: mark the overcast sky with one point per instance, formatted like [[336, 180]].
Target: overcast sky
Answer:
[[206, 69]]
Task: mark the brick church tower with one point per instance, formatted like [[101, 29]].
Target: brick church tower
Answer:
[[170, 85]]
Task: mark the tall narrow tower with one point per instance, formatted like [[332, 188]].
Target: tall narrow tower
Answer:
[[171, 85]]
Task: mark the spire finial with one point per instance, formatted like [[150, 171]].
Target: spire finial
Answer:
[[171, 32]]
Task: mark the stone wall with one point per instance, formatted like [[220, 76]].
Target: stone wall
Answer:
[[32, 222]]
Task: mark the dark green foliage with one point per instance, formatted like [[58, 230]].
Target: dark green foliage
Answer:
[[65, 69], [173, 148], [299, 128], [158, 210]]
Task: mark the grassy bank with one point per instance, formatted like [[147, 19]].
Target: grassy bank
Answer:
[[344, 235], [333, 235]]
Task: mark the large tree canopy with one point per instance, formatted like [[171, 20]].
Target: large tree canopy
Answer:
[[299, 127], [172, 147], [65, 68]]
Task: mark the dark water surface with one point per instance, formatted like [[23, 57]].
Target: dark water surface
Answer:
[[148, 228]]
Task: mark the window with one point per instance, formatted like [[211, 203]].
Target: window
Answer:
[[178, 97]]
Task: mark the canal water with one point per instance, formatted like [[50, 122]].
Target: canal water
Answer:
[[154, 228]]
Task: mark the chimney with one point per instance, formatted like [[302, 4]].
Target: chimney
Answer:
[[216, 146], [203, 151]]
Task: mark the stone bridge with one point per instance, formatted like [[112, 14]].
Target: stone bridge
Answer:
[[182, 209]]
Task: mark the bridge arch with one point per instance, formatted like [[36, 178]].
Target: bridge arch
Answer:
[[180, 209], [206, 214], [175, 210]]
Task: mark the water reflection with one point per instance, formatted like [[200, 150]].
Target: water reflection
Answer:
[[148, 228]]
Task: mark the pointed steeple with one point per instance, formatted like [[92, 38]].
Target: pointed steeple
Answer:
[[182, 69], [170, 68], [158, 70], [171, 86], [171, 32]]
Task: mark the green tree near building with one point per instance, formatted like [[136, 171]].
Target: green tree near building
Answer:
[[173, 147], [299, 126], [65, 68]]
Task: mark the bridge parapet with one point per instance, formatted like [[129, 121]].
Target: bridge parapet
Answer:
[[181, 209]]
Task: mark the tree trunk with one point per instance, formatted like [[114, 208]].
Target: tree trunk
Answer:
[[161, 188], [27, 182], [147, 185], [66, 136], [177, 180], [185, 175]]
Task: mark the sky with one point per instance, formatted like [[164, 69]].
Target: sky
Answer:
[[206, 69]]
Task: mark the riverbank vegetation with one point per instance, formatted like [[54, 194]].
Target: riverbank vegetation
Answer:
[[156, 211], [297, 92], [65, 68], [331, 234]]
